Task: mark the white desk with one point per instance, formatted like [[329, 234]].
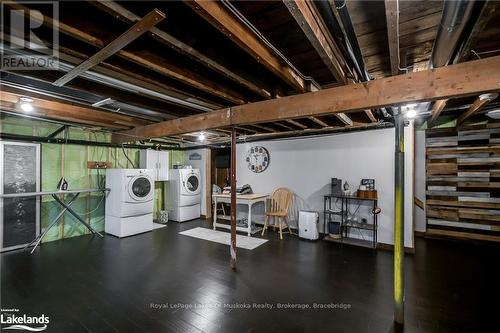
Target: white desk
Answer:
[[241, 199]]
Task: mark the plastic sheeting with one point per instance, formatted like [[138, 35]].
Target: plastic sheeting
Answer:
[[70, 162]]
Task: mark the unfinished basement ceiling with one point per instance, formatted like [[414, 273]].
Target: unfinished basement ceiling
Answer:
[[192, 62]]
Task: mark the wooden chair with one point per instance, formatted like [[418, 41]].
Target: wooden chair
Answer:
[[280, 204]]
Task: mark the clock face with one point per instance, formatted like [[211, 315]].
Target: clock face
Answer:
[[257, 159]]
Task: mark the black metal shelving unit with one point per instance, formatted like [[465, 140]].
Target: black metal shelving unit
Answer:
[[345, 201]]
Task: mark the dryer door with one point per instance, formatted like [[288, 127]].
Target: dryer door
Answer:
[[191, 184], [140, 188]]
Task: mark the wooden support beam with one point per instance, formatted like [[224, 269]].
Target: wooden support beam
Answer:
[[478, 104], [70, 113], [181, 74], [437, 109], [465, 79], [296, 123], [391, 17], [313, 27], [127, 16], [216, 14], [319, 121], [154, 17]]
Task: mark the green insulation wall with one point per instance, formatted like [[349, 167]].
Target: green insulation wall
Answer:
[[70, 162]]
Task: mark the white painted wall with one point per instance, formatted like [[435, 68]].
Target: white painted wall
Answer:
[[306, 166], [420, 216], [199, 164]]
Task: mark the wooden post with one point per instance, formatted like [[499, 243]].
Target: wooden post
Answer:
[[233, 199], [399, 219]]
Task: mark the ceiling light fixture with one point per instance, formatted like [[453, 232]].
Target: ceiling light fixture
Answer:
[[410, 110], [25, 104], [202, 137], [411, 113]]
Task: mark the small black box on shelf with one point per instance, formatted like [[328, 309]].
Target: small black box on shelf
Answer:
[[336, 186]]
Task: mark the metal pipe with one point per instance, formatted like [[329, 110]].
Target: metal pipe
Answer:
[[233, 199], [29, 138], [456, 15], [351, 38], [399, 197], [123, 85]]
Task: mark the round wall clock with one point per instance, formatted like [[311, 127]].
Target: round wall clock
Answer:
[[257, 159]]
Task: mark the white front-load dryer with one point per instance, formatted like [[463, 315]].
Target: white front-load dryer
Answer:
[[129, 204], [184, 196], [190, 187]]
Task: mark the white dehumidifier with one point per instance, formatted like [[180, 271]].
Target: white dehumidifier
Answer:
[[308, 225]]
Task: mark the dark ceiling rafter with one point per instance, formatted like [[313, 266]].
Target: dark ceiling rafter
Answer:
[[181, 74], [216, 14], [391, 16], [127, 16], [490, 8], [151, 19], [309, 20], [306, 16], [297, 123]]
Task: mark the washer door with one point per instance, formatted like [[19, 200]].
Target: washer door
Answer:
[[140, 188], [192, 184]]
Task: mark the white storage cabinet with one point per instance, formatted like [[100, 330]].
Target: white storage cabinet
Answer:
[[156, 160]]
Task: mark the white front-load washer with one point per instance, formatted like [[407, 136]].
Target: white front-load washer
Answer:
[[184, 195], [129, 204]]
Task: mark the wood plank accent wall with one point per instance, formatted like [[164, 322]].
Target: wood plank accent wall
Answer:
[[463, 182]]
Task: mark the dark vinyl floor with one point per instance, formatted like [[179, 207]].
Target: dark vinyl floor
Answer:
[[90, 284]]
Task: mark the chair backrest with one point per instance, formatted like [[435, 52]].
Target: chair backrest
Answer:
[[281, 200]]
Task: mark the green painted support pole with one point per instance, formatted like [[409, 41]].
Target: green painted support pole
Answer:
[[399, 286]]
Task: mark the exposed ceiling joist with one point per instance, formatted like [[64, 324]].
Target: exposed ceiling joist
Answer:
[[70, 113], [181, 74], [344, 118], [309, 21], [437, 109], [319, 121], [151, 19], [217, 15], [135, 83], [391, 16], [487, 12], [159, 65], [296, 123], [465, 79], [370, 116], [127, 16], [283, 126], [265, 128], [478, 104]]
